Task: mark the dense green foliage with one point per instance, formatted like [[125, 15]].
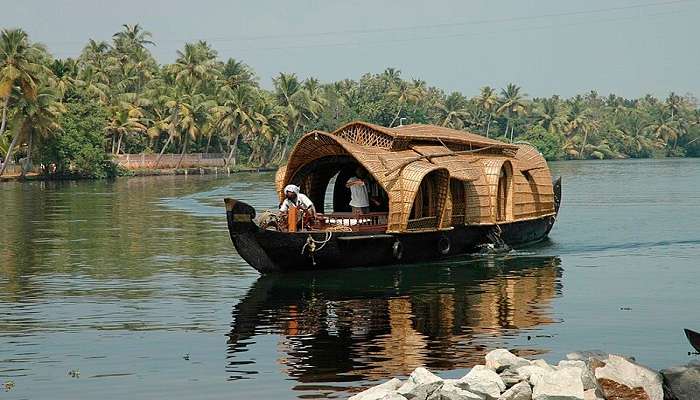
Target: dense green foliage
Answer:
[[202, 104], [78, 148]]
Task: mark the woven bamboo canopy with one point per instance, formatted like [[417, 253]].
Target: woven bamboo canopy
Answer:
[[434, 177]]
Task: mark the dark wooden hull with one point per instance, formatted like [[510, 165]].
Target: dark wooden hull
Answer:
[[693, 338], [274, 251]]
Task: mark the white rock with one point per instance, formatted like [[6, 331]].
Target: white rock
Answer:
[[483, 381], [563, 384], [521, 391], [585, 355], [532, 373], [587, 377], [500, 359], [450, 391], [542, 364], [393, 396], [379, 391], [624, 371], [590, 394], [683, 381], [419, 377]]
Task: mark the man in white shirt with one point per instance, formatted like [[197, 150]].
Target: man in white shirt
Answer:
[[359, 198], [295, 199]]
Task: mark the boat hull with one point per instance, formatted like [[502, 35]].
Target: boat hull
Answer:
[[274, 251]]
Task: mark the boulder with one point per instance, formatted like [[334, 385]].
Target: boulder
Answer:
[[510, 377], [683, 381], [621, 370], [591, 394], [521, 391], [618, 391], [587, 376], [482, 381], [585, 355], [379, 391], [501, 359], [542, 364], [562, 384], [450, 391], [532, 373], [420, 385], [393, 396]]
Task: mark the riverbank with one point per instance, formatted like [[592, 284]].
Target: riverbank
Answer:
[[590, 375], [144, 172]]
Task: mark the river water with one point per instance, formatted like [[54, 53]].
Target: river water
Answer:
[[132, 289]]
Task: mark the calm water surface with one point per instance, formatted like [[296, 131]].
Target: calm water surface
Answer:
[[135, 284]]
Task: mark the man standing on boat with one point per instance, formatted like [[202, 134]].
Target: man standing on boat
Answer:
[[359, 198], [295, 199]]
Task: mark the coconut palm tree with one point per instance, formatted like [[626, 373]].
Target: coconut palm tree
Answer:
[[19, 68], [512, 104], [299, 105], [36, 119], [233, 115], [453, 111], [237, 73], [581, 124], [403, 94], [549, 114], [487, 102], [132, 38], [125, 118]]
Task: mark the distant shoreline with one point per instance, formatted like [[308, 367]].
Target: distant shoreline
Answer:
[[143, 172]]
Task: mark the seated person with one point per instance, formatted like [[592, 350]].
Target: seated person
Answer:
[[359, 198], [292, 198]]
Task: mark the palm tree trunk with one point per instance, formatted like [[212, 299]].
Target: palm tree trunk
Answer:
[[3, 124], [396, 116], [165, 146], [583, 144], [488, 125], [9, 153], [286, 140], [182, 155], [119, 143], [511, 133], [29, 153], [507, 126], [206, 150], [232, 154], [272, 150]]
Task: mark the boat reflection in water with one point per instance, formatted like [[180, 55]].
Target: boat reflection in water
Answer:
[[368, 324]]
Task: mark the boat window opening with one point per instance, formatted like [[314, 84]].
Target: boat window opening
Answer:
[[502, 193], [458, 197], [534, 190], [425, 211]]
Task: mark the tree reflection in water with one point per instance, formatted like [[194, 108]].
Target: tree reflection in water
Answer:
[[368, 324]]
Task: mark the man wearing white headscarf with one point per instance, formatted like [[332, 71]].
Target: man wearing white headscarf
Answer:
[[292, 198]]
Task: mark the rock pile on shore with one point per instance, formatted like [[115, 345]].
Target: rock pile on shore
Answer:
[[582, 376]]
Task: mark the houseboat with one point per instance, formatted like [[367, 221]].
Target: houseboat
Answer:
[[436, 193]]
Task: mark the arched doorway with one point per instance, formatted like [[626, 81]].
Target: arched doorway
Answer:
[[504, 192], [429, 201]]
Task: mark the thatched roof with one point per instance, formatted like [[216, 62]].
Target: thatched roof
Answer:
[[400, 158], [406, 134]]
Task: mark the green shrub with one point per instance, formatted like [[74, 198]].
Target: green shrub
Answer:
[[77, 150]]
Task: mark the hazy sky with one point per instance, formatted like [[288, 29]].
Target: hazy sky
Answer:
[[547, 46]]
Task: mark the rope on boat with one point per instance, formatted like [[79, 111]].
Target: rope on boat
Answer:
[[315, 245]]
